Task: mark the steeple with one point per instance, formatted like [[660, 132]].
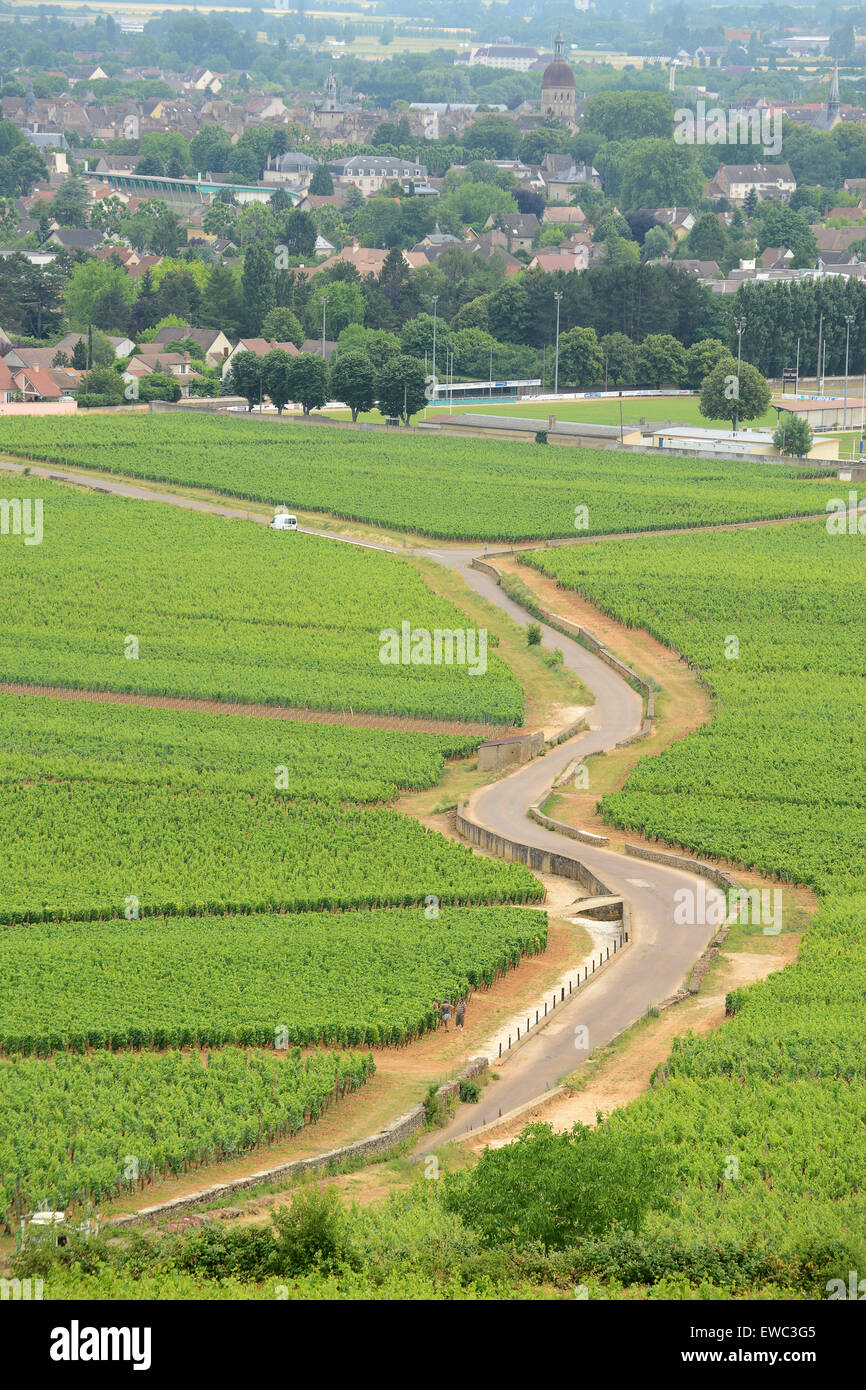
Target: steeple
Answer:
[[834, 103], [559, 47], [331, 83]]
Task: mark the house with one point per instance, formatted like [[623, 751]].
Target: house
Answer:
[[315, 345], [836, 260], [293, 169], [260, 346], [213, 341], [702, 270], [369, 173], [436, 242], [122, 346], [563, 185], [37, 384], [176, 364], [75, 239], [484, 246], [767, 181], [563, 258], [7, 383], [677, 221], [515, 231], [558, 215], [39, 359], [776, 258]]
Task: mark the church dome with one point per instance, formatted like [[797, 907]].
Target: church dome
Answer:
[[557, 74]]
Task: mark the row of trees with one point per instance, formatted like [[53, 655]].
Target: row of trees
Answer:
[[398, 387]]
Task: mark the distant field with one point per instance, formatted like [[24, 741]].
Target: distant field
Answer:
[[682, 410]]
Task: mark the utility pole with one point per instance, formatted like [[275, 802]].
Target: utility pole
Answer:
[[324, 311], [818, 368], [558, 297], [435, 298], [849, 319], [797, 377], [739, 324]]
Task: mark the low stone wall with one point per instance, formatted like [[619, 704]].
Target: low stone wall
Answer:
[[720, 877], [570, 830], [65, 406], [388, 1138], [542, 860]]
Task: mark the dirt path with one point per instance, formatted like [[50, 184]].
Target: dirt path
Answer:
[[406, 724]]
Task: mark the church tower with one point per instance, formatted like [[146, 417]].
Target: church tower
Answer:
[[557, 87]]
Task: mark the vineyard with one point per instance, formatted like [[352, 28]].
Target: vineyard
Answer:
[[85, 1128], [467, 489], [170, 602], [191, 834], [348, 978], [775, 781]]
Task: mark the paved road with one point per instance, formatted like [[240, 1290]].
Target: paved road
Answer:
[[661, 953]]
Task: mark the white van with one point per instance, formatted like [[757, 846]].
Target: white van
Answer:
[[284, 521]]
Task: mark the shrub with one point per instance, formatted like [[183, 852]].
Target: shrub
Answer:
[[533, 634]]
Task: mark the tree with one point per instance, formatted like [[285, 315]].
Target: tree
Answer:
[[211, 149], [781, 226], [102, 381], [377, 345], [221, 304], [416, 336], [283, 326], [353, 381], [69, 207], [751, 202], [297, 232], [508, 311], [793, 435], [159, 386], [708, 240], [630, 116], [346, 304], [701, 358], [321, 184], [257, 283], [309, 380], [89, 281], [401, 387], [277, 377], [499, 134], [553, 1189], [619, 359], [581, 360], [656, 243], [246, 377], [661, 361], [729, 395], [660, 174]]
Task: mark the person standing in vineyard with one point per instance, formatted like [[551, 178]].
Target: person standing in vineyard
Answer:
[[436, 1012], [461, 1012], [446, 1014]]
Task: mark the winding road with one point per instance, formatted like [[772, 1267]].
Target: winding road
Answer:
[[660, 953]]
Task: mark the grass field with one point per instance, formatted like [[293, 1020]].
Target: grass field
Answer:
[[680, 410]]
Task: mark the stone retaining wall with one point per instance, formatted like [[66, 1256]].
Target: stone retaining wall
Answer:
[[562, 829], [542, 860], [388, 1138]]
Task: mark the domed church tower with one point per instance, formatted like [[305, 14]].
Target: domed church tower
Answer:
[[557, 87]]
